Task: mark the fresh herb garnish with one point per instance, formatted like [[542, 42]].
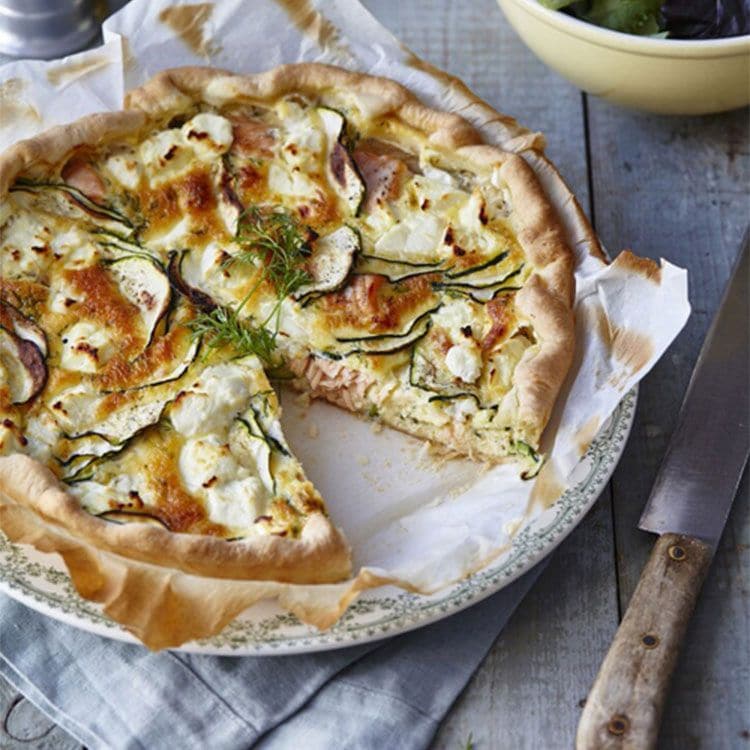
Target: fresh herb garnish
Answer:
[[275, 241], [222, 327]]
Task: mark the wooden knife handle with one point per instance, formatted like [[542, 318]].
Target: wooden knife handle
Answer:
[[623, 709]]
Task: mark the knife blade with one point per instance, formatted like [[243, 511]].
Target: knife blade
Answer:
[[688, 507], [702, 468]]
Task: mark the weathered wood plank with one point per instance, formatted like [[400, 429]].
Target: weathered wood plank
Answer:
[[528, 692], [540, 668], [679, 188]]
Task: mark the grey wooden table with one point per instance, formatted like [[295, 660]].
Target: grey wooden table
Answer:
[[666, 187]]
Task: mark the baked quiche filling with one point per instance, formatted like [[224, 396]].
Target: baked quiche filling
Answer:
[[149, 287]]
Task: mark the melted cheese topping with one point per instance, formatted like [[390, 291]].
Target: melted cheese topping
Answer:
[[464, 361], [138, 419]]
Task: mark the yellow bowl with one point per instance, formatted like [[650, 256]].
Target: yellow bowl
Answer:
[[677, 77]]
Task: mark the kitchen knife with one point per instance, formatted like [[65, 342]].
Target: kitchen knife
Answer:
[[688, 508]]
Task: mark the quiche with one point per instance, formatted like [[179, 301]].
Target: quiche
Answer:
[[309, 225]]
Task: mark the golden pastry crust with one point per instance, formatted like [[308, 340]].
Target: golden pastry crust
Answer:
[[39, 155], [320, 554]]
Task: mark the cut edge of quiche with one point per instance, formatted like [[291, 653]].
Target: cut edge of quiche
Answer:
[[343, 372]]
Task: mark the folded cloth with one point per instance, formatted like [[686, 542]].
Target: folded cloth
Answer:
[[391, 693]]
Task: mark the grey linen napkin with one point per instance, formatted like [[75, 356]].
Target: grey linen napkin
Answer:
[[391, 693]]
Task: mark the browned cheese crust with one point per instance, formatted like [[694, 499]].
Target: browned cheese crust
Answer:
[[320, 554]]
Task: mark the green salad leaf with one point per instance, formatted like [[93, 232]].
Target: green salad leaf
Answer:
[[628, 16], [641, 17], [556, 4]]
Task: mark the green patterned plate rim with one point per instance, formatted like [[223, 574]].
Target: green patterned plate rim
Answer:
[[40, 581]]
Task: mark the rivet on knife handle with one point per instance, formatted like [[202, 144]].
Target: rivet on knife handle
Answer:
[[624, 707]]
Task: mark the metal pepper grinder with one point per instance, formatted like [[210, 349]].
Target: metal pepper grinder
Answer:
[[45, 28]]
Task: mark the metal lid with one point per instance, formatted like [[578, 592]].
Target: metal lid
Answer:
[[45, 28]]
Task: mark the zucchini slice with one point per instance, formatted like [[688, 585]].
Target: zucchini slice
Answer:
[[229, 205], [104, 438], [83, 466], [468, 274], [386, 343], [87, 445], [247, 441], [434, 265], [119, 245], [14, 321], [88, 451], [390, 346], [480, 291], [22, 367], [535, 460], [80, 409], [480, 295], [143, 282], [340, 167], [79, 200], [408, 330], [174, 271], [428, 372], [76, 468], [83, 470], [267, 424], [330, 262], [394, 270], [173, 368], [122, 425], [122, 517], [456, 396]]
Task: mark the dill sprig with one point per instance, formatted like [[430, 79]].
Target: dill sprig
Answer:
[[275, 240], [222, 327]]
